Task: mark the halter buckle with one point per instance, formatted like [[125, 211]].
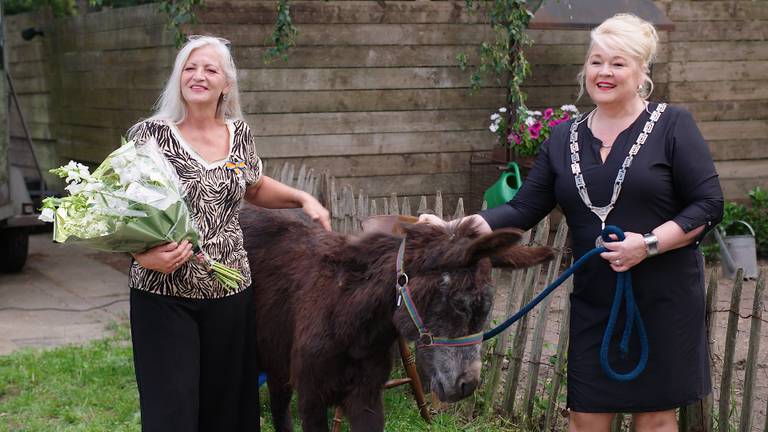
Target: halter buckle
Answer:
[[426, 339]]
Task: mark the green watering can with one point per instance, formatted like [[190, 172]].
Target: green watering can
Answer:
[[505, 187]]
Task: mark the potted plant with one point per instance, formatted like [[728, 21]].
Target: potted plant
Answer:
[[521, 140]]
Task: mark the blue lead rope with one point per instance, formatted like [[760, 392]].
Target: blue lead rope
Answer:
[[623, 290]]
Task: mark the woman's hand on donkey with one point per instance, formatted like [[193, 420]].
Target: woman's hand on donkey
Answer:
[[165, 258], [315, 210]]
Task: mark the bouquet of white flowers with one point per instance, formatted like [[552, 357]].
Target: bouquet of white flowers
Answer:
[[132, 202]]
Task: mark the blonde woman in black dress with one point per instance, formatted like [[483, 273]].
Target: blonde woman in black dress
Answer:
[[193, 339], [668, 197]]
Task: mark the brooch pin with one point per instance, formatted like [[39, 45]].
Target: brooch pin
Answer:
[[236, 166]]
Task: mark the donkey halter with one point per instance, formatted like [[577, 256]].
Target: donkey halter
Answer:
[[426, 338]]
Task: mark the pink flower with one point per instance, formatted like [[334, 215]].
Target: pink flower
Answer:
[[513, 137], [553, 123], [548, 113], [565, 117], [535, 130]]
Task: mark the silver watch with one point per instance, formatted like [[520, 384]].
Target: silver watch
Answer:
[[651, 244]]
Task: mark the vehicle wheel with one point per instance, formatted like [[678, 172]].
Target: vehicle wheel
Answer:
[[14, 245]]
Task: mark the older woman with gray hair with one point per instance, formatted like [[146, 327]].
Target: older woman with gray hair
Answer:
[[193, 338], [644, 167]]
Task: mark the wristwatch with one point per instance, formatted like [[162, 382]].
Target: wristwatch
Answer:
[[651, 244]]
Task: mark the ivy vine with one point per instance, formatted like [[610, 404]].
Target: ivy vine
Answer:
[[502, 58], [179, 12]]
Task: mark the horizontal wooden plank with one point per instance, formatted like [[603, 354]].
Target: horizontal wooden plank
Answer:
[[718, 70], [718, 51], [736, 189], [131, 38], [34, 85], [373, 144], [356, 56], [719, 31], [741, 169], [355, 34], [742, 129], [144, 78], [30, 69], [381, 165], [366, 122], [740, 149], [115, 119], [107, 61], [369, 100], [26, 53], [112, 19], [121, 98], [717, 90], [455, 183], [728, 110], [38, 131], [717, 10], [353, 12], [548, 96], [351, 79]]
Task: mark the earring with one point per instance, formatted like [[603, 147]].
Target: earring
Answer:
[[224, 97]]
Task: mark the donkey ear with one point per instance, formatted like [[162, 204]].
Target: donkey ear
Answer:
[[521, 256], [500, 246]]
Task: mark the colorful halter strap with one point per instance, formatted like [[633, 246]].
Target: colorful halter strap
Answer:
[[426, 338]]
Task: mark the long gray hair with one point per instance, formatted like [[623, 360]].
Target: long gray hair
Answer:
[[170, 105]]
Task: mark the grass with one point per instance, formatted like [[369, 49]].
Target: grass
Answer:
[[92, 388]]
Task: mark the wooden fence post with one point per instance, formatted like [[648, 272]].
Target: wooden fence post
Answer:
[[745, 424], [521, 332], [515, 279], [730, 346], [537, 345], [562, 354]]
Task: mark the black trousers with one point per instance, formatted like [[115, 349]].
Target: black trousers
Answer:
[[195, 362]]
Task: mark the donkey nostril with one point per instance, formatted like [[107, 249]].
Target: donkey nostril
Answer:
[[467, 386]]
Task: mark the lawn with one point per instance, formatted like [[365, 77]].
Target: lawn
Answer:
[[92, 388]]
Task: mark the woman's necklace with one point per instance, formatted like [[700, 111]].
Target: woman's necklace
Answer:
[[602, 212]]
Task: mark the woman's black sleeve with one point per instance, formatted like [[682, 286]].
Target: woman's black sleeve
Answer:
[[694, 177]]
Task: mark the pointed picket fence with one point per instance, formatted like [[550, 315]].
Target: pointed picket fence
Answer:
[[524, 374]]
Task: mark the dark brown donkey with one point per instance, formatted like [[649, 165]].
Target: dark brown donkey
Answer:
[[328, 312]]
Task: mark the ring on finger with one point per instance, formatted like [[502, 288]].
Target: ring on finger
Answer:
[[617, 262]]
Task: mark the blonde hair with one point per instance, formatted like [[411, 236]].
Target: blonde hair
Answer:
[[170, 105], [630, 35]]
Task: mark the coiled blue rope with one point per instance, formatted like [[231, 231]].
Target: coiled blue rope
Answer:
[[623, 291]]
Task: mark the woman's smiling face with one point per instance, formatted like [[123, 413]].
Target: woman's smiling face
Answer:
[[611, 76], [203, 79]]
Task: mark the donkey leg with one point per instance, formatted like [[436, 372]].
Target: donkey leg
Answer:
[[364, 410], [313, 413], [280, 404]]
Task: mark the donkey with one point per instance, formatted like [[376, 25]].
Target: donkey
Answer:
[[330, 307]]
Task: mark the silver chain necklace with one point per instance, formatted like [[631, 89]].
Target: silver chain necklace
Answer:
[[602, 212]]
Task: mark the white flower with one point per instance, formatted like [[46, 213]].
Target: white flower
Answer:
[[537, 113], [46, 215], [495, 117], [503, 109], [530, 121], [494, 128], [570, 108]]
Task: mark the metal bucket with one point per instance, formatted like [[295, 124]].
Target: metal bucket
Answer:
[[743, 253]]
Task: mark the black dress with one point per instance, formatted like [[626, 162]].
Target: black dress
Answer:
[[671, 178]]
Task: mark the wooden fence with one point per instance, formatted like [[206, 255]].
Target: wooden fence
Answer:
[[524, 374]]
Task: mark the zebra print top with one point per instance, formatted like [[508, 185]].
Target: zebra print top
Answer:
[[213, 193]]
